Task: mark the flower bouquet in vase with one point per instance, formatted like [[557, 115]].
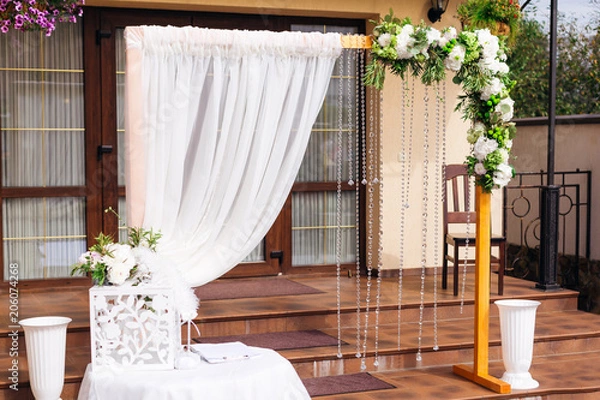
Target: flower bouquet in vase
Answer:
[[137, 303]]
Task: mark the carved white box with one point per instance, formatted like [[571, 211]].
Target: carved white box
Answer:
[[133, 328]]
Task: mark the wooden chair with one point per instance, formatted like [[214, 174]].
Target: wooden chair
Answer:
[[455, 213]]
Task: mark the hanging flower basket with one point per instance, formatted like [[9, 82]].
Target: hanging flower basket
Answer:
[[38, 15]]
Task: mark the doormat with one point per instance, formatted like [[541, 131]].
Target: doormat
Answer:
[[245, 288], [328, 385], [277, 340]]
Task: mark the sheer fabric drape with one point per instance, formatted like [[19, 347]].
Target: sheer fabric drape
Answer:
[[217, 123]]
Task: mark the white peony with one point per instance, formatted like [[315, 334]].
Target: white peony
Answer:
[[384, 40], [505, 109], [455, 58], [480, 169], [494, 88], [503, 175], [475, 132], [483, 147], [433, 36]]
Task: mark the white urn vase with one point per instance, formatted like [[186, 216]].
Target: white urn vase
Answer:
[[45, 340], [517, 326]]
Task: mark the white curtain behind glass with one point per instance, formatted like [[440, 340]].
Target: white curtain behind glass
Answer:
[[42, 133], [217, 123]]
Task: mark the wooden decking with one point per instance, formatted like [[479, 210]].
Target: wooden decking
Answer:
[[566, 352]]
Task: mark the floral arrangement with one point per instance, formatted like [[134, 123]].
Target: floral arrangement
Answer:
[[110, 263], [501, 17], [136, 263], [478, 60], [38, 15]]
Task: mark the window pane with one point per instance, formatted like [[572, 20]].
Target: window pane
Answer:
[[314, 228], [120, 67], [43, 236], [41, 100]]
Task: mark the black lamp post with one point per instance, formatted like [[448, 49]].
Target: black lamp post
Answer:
[[438, 7]]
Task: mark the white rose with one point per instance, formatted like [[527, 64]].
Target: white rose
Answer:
[[483, 147], [480, 169], [495, 87], [384, 40], [475, 132], [503, 175], [508, 143], [455, 58], [118, 274], [505, 109]]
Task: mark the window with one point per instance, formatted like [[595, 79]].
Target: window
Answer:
[[56, 181]]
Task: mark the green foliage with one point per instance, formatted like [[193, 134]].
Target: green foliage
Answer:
[[578, 69], [477, 58], [482, 14]]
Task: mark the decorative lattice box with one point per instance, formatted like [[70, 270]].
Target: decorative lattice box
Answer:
[[133, 328]]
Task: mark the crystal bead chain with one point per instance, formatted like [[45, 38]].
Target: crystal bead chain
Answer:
[[380, 237], [370, 206], [338, 204], [361, 169], [352, 104], [468, 228], [436, 215], [424, 204], [407, 145]]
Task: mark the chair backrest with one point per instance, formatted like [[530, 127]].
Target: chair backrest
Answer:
[[458, 196]]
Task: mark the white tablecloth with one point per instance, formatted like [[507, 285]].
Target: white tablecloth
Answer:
[[267, 376]]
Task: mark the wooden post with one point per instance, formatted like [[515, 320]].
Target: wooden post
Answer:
[[478, 373]]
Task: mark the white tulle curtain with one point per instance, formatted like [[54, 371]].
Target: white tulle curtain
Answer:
[[217, 123]]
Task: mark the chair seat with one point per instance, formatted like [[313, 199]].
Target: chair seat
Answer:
[[461, 238]]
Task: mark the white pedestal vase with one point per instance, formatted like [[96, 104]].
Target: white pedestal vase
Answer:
[[517, 325], [45, 339]]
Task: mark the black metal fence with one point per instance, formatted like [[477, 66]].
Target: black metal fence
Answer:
[[522, 225]]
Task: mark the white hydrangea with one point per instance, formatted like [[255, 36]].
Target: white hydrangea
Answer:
[[484, 146], [475, 132], [456, 57], [494, 88], [503, 154], [505, 108], [493, 65], [404, 41], [503, 175], [490, 46], [384, 40]]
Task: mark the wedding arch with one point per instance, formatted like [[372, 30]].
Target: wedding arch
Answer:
[[218, 121]]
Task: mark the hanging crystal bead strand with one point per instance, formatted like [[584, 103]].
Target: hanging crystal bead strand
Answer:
[[436, 214], [407, 145], [380, 236], [338, 203], [424, 205], [370, 206], [361, 171], [468, 228]]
